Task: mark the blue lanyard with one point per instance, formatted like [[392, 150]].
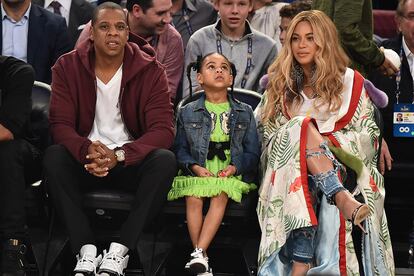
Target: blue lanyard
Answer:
[[398, 78], [186, 18], [249, 58]]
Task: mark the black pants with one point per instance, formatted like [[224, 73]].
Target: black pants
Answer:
[[19, 163], [67, 180]]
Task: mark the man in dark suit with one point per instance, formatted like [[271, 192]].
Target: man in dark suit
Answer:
[[400, 147], [18, 158], [403, 44], [34, 35], [76, 12]]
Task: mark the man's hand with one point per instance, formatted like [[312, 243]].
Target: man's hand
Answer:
[[228, 171], [110, 155], [102, 159], [96, 150], [93, 168], [385, 158], [5, 134], [387, 68], [200, 171]]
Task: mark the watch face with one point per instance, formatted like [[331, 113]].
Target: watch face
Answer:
[[120, 155]]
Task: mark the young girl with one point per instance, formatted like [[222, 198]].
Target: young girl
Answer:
[[315, 107], [216, 147]]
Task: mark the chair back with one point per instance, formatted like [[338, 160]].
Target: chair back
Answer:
[[39, 117], [384, 23]]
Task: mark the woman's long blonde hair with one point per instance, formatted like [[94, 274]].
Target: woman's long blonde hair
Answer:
[[330, 66]]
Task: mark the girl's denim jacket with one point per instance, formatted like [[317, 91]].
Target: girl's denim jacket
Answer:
[[193, 137]]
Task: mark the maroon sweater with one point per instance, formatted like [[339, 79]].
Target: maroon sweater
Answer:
[[144, 100]]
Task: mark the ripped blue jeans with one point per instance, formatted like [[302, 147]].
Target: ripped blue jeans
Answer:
[[300, 245]]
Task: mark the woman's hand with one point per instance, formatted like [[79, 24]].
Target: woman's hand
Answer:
[[200, 171], [385, 158], [228, 171]]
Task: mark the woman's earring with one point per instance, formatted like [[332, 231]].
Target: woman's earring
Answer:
[[297, 75], [313, 74]]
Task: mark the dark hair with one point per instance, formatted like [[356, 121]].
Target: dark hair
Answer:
[[106, 6], [292, 9], [144, 4], [198, 64]]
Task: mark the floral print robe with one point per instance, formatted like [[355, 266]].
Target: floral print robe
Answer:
[[284, 199]]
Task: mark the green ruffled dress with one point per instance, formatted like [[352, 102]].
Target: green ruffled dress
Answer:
[[212, 186]]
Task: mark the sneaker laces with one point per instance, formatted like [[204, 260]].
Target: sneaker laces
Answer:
[[115, 261], [197, 253], [86, 262]]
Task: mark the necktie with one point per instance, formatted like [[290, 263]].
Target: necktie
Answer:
[[56, 7]]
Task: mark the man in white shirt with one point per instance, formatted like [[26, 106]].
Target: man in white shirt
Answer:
[[111, 119], [403, 44], [34, 35], [399, 147]]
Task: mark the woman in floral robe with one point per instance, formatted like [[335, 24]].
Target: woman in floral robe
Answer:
[[327, 96]]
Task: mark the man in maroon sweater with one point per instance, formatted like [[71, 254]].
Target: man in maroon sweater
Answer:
[[112, 121]]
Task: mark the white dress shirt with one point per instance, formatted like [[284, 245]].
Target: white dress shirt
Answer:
[[410, 57], [64, 9], [15, 35]]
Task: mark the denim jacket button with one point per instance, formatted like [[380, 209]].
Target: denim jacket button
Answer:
[[194, 125]]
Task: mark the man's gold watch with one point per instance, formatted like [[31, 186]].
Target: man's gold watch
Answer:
[[120, 155]]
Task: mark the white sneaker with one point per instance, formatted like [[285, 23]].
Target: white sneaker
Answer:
[[198, 263], [87, 261], [114, 261]]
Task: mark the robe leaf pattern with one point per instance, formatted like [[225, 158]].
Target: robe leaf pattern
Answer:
[[282, 208]]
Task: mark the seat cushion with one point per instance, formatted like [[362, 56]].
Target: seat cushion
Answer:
[[108, 199]]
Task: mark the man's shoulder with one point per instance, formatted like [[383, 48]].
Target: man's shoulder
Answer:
[[68, 61], [171, 33], [49, 17], [83, 5], [207, 32], [393, 43]]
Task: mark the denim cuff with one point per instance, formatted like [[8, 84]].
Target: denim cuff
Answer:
[[328, 182]]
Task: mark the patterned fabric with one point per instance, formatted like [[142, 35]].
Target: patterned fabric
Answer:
[[285, 203]]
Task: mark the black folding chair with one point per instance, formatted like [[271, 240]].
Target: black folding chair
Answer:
[[35, 198]]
